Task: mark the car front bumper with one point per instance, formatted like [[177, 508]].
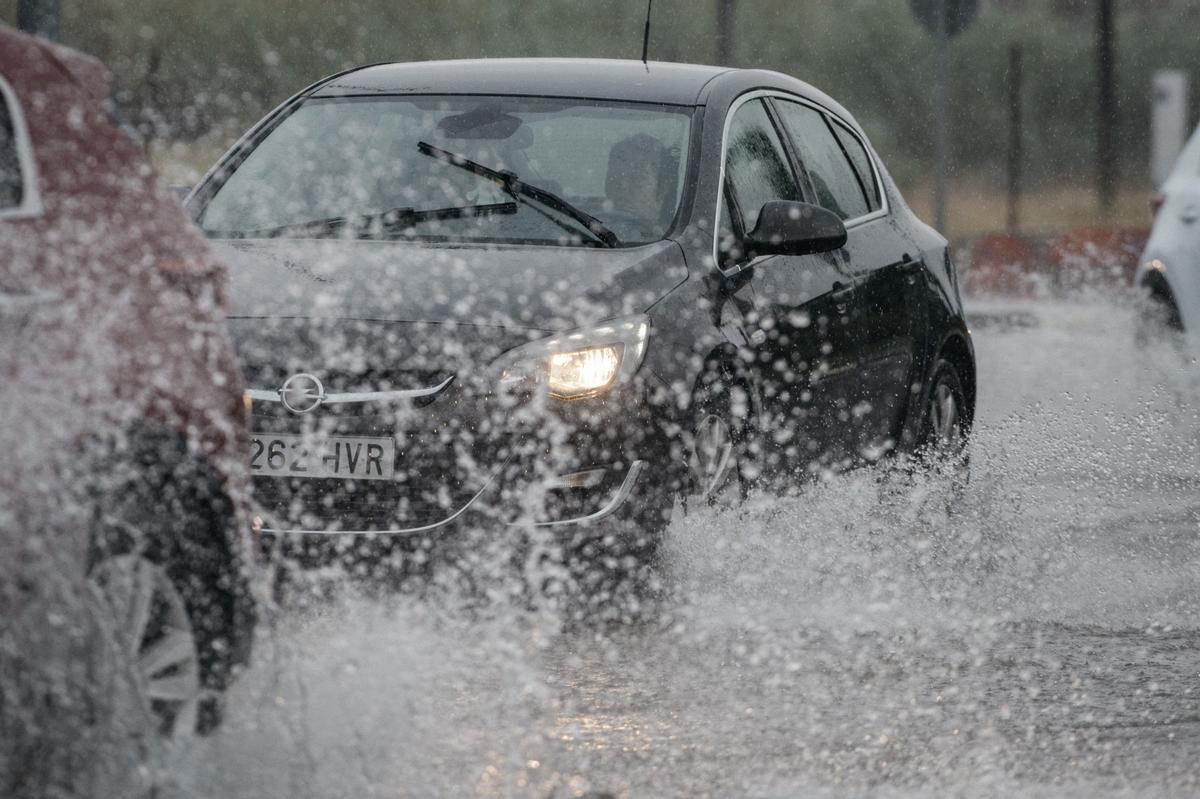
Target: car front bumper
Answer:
[[468, 461]]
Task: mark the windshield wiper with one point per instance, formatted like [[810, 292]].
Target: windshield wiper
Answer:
[[515, 187], [395, 220]]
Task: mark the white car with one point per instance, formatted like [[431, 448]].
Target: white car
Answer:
[[1168, 274]]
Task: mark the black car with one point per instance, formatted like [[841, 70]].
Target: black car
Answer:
[[574, 294]]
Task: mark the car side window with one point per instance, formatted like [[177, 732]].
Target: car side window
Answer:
[[861, 162], [728, 238], [12, 189], [756, 165], [834, 179]]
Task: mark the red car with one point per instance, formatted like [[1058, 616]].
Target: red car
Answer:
[[122, 495]]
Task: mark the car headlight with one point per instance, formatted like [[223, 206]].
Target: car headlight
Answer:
[[582, 363], [571, 374]]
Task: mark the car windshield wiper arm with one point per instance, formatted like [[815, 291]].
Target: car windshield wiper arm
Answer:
[[396, 218], [512, 184]]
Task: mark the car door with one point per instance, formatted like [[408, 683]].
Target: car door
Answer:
[[885, 306], [798, 329]]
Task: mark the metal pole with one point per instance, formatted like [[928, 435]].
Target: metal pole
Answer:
[[1014, 137], [39, 17], [1106, 157], [941, 144], [725, 19]]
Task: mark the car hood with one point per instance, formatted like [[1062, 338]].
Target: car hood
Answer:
[[366, 316], [532, 287]]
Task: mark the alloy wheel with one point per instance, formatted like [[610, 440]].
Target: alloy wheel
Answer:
[[712, 456], [152, 628], [944, 420]]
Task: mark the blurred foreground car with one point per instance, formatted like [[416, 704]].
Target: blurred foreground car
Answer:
[[572, 295], [124, 420], [1168, 275]]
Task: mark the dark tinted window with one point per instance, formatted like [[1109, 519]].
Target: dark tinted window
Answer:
[[756, 165], [834, 179], [862, 164], [11, 190]]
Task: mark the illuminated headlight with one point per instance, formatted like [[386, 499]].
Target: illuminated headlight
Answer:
[[573, 374], [581, 363]]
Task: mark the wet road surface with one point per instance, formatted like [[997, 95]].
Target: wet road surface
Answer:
[[853, 641]]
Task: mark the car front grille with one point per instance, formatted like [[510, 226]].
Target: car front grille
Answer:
[[334, 382]]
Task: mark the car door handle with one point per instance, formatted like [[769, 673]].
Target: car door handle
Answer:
[[1189, 215]]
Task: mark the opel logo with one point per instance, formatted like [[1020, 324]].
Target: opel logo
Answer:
[[302, 393]]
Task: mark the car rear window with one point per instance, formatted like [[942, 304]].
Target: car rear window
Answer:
[[835, 180], [861, 162]]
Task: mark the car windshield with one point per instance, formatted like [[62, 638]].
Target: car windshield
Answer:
[[579, 172]]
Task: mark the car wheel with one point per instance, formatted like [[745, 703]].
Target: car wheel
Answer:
[[720, 469], [943, 441], [1158, 319], [161, 513], [151, 627]]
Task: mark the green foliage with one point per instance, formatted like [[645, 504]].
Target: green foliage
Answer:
[[182, 69]]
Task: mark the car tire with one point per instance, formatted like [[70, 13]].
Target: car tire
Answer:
[[155, 645], [722, 450], [946, 427], [164, 518], [1157, 319]]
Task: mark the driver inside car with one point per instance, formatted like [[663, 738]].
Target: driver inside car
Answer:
[[639, 176]]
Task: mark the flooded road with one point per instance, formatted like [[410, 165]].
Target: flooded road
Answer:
[[1044, 640]]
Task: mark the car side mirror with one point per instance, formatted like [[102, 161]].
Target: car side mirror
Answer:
[[794, 228]]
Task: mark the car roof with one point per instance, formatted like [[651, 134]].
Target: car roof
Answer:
[[41, 63], [607, 79]]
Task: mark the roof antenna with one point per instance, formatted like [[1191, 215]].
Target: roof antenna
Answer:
[[646, 35]]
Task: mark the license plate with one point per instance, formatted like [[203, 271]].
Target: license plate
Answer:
[[350, 457]]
